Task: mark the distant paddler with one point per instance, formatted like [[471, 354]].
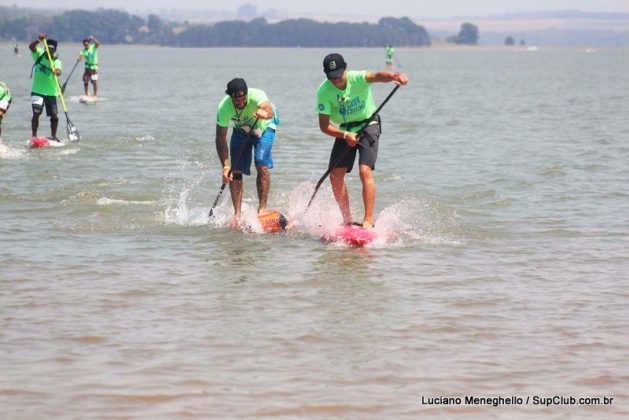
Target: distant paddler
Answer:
[[44, 90], [389, 50], [90, 53]]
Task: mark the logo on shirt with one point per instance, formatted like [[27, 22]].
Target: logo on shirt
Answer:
[[321, 107]]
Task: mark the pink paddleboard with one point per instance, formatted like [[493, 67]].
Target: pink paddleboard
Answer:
[[38, 142], [353, 235]]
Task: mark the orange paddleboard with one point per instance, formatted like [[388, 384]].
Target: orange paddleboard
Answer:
[[273, 222]]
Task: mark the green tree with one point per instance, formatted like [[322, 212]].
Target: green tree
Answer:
[[118, 27], [468, 35]]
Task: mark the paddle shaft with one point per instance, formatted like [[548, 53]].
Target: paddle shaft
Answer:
[[342, 155], [63, 87], [73, 132], [237, 161], [54, 73]]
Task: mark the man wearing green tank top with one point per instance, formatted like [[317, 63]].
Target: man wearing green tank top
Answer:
[[90, 53], [44, 91]]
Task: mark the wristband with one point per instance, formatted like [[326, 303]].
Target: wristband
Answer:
[[226, 167], [345, 135]]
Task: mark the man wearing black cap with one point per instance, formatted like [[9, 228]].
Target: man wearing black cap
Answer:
[[345, 99], [254, 122], [44, 91]]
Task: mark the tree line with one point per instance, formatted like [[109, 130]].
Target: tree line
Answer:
[[119, 27]]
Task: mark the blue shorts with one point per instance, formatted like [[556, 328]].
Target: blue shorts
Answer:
[[262, 147]]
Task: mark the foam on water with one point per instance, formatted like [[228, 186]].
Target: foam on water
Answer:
[[105, 201], [8, 152]]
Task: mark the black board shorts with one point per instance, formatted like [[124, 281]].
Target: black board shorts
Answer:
[[367, 149], [38, 102]]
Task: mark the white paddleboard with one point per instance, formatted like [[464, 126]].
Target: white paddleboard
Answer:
[[86, 99]]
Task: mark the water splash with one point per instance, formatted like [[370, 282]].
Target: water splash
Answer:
[[8, 152], [407, 222], [418, 220], [178, 211]]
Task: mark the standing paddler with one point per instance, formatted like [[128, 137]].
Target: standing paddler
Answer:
[[90, 53], [44, 91], [345, 105]]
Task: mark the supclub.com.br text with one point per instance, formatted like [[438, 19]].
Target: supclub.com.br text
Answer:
[[536, 400]]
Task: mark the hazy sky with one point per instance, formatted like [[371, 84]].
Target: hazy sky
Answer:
[[411, 8]]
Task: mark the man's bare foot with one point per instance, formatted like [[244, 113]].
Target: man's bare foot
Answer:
[[367, 224], [262, 212], [235, 222]]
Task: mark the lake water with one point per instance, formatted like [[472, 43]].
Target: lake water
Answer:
[[502, 195]]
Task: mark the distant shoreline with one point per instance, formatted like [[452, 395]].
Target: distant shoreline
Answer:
[[436, 46]]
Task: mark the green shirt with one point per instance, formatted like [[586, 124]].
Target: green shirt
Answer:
[[356, 101], [227, 112], [44, 82], [91, 57], [5, 93], [390, 51]]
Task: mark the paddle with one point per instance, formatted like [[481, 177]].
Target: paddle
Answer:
[[73, 133], [63, 87], [236, 162], [342, 155]]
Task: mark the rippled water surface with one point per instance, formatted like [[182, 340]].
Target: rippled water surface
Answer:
[[502, 205]]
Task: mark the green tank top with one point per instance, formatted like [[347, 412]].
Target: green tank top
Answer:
[[91, 57], [44, 82], [5, 93]]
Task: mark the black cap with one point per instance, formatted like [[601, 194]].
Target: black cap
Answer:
[[334, 65], [236, 87], [52, 43]]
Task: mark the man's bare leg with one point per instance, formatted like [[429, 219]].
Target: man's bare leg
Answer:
[[337, 179], [369, 194], [263, 182]]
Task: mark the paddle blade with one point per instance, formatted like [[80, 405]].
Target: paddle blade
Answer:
[[73, 132], [63, 88], [218, 197]]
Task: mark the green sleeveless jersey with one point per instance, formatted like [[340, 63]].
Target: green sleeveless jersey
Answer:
[[43, 79]]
